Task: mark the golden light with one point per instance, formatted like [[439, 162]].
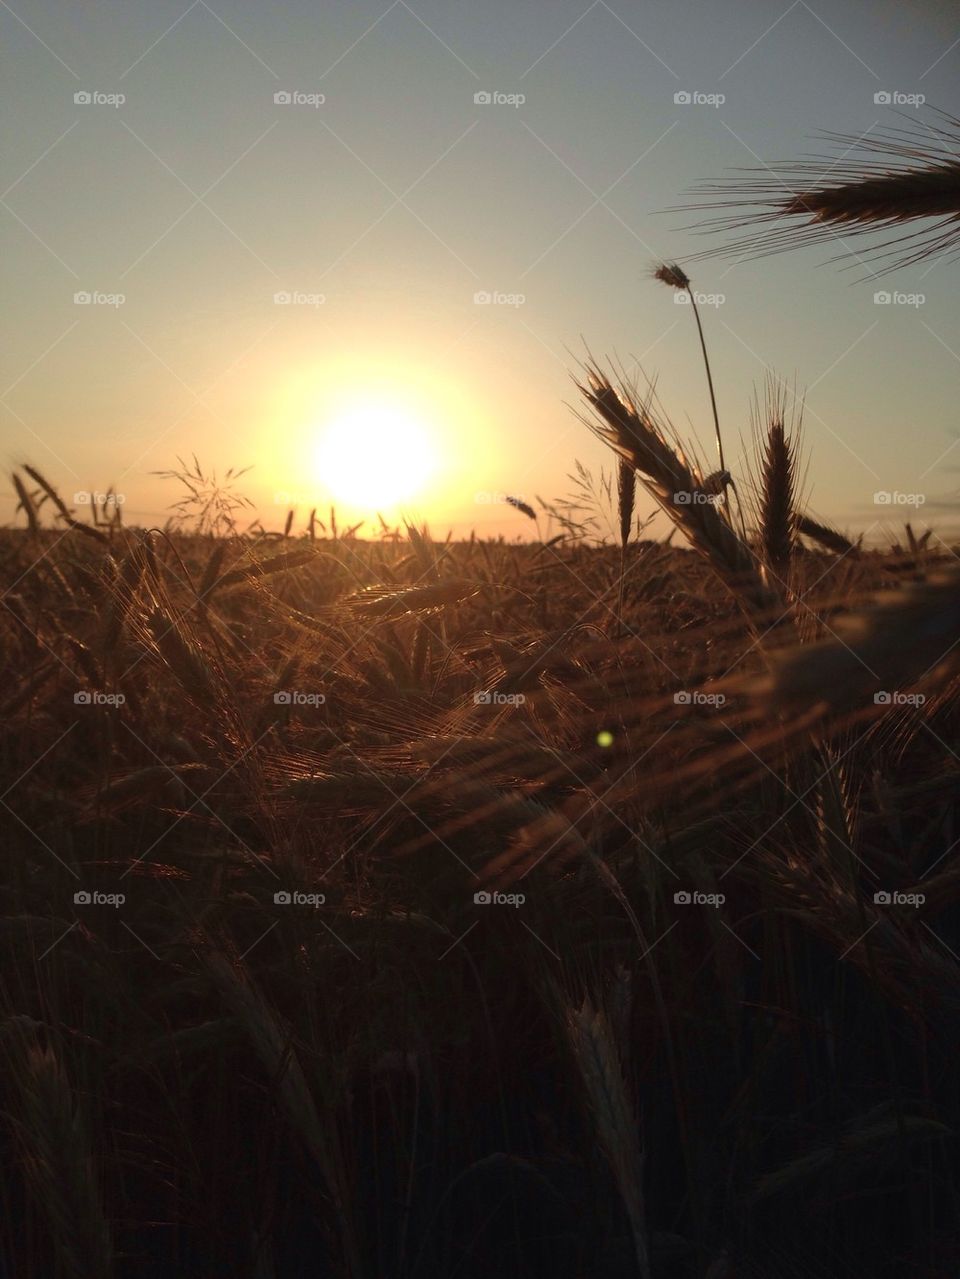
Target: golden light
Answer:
[[374, 452]]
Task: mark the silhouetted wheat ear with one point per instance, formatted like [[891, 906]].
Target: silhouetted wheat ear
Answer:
[[524, 507], [776, 527], [632, 432], [777, 481], [917, 176], [827, 537], [626, 495], [25, 502]]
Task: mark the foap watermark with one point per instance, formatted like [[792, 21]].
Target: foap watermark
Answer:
[[883, 298], [485, 898], [297, 98], [486, 497], [683, 898], [682, 298], [895, 498], [90, 497], [83, 298], [93, 697], [693, 98], [95, 98], [296, 698], [293, 897], [894, 98], [898, 899], [899, 699], [93, 897], [694, 697], [297, 298], [697, 497], [493, 698], [484, 297], [494, 98]]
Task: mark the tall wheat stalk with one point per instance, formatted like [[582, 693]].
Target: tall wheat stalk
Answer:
[[676, 278]]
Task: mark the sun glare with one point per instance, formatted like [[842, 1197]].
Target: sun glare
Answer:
[[374, 453]]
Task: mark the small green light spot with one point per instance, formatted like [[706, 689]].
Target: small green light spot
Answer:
[[605, 738]]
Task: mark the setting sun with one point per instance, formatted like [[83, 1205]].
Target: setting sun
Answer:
[[374, 453]]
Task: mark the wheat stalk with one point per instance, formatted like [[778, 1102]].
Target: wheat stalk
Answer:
[[57, 1155], [182, 657], [599, 1064], [776, 528], [827, 537], [272, 1039], [26, 502], [635, 435], [777, 488], [626, 496], [676, 278], [916, 177]]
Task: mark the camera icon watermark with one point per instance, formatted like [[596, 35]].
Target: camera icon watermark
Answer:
[[297, 98], [899, 699], [682, 297], [885, 298], [494, 98], [683, 898], [487, 497], [693, 98], [285, 897], [94, 98], [85, 298], [86, 497], [493, 698], [895, 98], [896, 898], [884, 497], [485, 898], [695, 697], [84, 897], [88, 697], [697, 497], [298, 698], [486, 297], [286, 297]]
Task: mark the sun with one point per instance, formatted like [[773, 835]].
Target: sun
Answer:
[[374, 453]]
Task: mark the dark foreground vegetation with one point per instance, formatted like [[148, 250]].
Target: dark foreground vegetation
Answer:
[[702, 1018]]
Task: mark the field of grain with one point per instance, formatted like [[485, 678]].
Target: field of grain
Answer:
[[416, 908]]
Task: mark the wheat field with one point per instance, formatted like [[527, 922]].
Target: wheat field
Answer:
[[584, 906]]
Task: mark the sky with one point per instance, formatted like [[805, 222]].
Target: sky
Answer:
[[380, 274]]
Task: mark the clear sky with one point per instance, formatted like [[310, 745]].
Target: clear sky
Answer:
[[386, 208]]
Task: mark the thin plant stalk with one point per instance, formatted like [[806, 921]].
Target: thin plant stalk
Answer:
[[677, 278], [626, 495]]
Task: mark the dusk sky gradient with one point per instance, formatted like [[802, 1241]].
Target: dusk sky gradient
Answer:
[[400, 198]]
